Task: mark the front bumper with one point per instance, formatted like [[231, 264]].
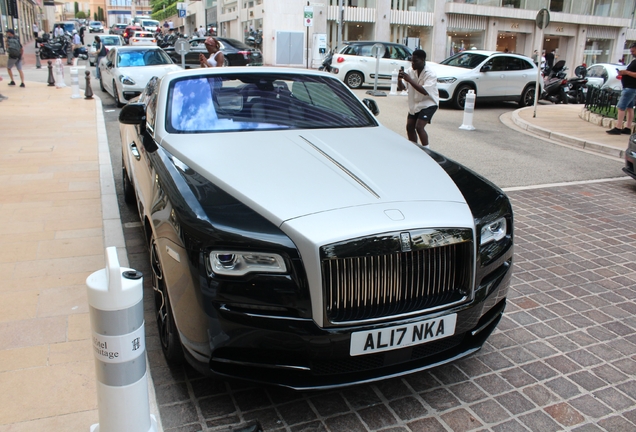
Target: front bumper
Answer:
[[630, 158], [295, 353]]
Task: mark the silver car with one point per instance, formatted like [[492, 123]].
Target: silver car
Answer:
[[492, 75], [296, 241], [108, 41], [605, 75]]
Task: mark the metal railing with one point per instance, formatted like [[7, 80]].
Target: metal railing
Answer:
[[602, 101]]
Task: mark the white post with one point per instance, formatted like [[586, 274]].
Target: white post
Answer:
[[394, 82], [59, 74], [115, 298], [469, 109], [75, 84]]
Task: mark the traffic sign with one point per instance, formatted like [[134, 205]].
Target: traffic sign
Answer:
[[182, 13], [309, 16], [543, 18], [182, 46]]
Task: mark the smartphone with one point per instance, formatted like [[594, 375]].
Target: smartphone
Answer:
[[402, 69]]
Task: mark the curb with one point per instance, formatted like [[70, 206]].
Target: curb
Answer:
[[566, 139]]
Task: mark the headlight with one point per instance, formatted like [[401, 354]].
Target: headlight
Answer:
[[126, 80], [494, 231], [236, 263], [446, 80]]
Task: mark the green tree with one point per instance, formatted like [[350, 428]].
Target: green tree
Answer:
[[76, 8], [81, 15], [100, 14]]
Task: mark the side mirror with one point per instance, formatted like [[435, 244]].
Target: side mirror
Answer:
[[372, 105], [133, 114], [486, 68]]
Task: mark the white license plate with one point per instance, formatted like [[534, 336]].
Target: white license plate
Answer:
[[390, 338]]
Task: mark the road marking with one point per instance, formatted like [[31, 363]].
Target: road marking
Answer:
[[551, 185]]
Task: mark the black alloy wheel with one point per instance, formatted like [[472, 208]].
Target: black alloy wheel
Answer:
[[168, 333], [460, 96], [101, 84], [527, 97]]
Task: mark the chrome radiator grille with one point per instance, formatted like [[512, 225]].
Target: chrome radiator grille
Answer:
[[376, 286]]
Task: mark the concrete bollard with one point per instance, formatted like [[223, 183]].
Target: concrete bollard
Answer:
[[75, 83], [469, 109], [51, 80], [59, 74], [38, 65], [115, 298], [69, 55], [394, 82]]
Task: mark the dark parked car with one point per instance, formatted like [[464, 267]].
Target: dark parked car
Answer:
[[118, 29], [630, 157], [236, 53], [296, 241]]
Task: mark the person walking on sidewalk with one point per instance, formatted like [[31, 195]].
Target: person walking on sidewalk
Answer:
[[628, 97], [423, 96], [15, 51], [36, 34]]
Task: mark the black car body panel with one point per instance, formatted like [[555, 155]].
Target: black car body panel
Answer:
[[630, 157], [236, 53]]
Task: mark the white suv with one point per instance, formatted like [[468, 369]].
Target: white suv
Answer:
[[493, 75], [355, 65]]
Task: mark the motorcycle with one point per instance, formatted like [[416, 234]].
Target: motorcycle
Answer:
[[54, 48], [577, 86], [555, 84]]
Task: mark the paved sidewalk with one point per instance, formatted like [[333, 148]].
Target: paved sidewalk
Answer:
[[58, 211], [565, 124]]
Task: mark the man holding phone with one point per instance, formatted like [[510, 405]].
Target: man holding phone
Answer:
[[628, 97], [421, 83]]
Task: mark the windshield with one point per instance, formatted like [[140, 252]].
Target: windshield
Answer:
[[142, 58], [465, 60], [95, 23], [241, 101], [68, 27], [150, 23]]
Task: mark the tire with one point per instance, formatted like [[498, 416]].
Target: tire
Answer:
[[527, 96], [168, 333], [354, 80], [563, 95], [101, 85], [459, 99], [226, 62], [129, 190], [116, 96]]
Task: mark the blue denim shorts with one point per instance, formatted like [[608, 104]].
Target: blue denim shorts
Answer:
[[627, 99]]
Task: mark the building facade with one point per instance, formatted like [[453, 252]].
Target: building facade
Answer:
[[579, 31], [19, 15]]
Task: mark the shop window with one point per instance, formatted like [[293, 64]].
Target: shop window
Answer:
[[511, 3], [556, 6]]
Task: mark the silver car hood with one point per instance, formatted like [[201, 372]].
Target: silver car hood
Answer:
[[142, 74], [285, 175]]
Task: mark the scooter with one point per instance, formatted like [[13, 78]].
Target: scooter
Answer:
[[577, 86], [326, 63], [555, 85]]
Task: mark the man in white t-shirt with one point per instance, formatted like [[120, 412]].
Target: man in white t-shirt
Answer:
[[201, 31], [421, 83]]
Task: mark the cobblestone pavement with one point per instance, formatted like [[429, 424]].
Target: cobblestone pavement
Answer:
[[562, 358]]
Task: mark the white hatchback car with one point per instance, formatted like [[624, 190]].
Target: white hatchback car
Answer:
[[126, 70], [142, 38], [355, 65], [604, 75], [493, 75]]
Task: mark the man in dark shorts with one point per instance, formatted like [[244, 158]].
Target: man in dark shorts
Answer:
[[421, 83], [628, 97]]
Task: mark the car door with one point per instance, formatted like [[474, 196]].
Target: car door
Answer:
[[491, 77], [518, 73], [106, 70]]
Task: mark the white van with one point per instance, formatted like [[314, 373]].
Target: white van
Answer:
[[147, 23]]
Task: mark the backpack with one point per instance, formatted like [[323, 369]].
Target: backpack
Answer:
[[14, 48]]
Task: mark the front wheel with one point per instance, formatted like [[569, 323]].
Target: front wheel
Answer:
[[101, 85], [459, 100], [354, 80], [527, 97], [168, 333]]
